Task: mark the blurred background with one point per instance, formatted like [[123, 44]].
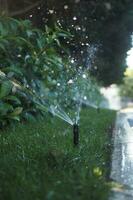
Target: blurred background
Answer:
[[102, 30]]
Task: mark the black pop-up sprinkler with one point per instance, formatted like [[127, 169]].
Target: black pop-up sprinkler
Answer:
[[98, 110], [75, 134]]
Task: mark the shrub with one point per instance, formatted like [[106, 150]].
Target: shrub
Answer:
[[10, 105], [27, 54]]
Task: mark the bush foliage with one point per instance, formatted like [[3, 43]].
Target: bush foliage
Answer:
[[27, 54], [34, 64]]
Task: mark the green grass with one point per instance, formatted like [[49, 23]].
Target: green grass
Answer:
[[38, 160]]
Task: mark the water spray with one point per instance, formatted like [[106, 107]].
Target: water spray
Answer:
[[75, 134]]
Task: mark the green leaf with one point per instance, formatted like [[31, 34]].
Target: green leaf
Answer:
[[17, 118], [39, 43], [4, 41], [29, 117], [14, 98], [5, 88], [14, 69], [3, 31], [17, 111], [2, 47], [29, 33], [5, 108]]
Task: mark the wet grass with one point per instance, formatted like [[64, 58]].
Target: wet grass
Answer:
[[38, 160]]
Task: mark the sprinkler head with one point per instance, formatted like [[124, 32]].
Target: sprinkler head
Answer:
[[98, 110], [75, 134]]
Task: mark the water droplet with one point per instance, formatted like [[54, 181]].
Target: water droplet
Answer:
[[27, 56], [70, 81], [58, 84], [78, 28], [85, 97], [51, 11], [72, 60], [19, 55], [84, 76], [108, 5], [65, 7], [74, 18]]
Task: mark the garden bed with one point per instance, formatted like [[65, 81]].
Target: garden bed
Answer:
[[38, 160]]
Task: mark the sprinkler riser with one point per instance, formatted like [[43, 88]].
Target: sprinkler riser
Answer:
[[75, 134], [98, 110]]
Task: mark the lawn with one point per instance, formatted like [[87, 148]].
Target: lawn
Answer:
[[39, 162]]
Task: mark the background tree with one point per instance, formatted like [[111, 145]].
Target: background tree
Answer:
[[3, 6], [101, 30]]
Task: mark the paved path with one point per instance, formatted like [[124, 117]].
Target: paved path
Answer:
[[122, 158]]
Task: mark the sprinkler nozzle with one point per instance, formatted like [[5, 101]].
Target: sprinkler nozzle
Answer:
[[75, 134], [98, 110]]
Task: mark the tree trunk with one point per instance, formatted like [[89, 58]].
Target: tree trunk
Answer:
[[3, 7], [26, 9]]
